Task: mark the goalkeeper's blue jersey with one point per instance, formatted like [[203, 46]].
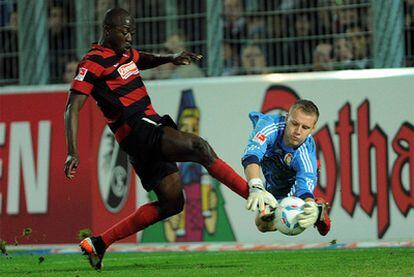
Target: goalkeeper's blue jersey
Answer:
[[287, 170]]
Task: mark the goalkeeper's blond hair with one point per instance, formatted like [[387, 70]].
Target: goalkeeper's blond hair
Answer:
[[306, 106]]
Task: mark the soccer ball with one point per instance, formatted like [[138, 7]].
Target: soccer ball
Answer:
[[286, 216]]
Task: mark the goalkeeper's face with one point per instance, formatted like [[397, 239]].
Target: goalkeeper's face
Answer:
[[299, 125]]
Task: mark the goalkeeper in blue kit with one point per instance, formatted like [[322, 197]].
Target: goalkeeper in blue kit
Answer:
[[283, 148]]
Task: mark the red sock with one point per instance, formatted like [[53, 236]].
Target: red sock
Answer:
[[139, 220], [226, 175]]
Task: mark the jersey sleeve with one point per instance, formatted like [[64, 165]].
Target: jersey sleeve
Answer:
[[263, 134], [135, 55], [87, 73], [305, 165]]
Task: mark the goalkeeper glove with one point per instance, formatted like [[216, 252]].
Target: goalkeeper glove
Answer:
[[309, 215], [258, 196]]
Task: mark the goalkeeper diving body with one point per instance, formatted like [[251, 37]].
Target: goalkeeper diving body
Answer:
[[284, 149]]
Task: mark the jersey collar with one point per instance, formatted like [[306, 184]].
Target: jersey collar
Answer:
[[107, 50]]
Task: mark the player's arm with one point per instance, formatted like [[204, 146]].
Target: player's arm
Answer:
[[74, 104], [252, 171], [305, 185], [306, 179], [264, 222], [255, 150], [310, 213], [150, 60]]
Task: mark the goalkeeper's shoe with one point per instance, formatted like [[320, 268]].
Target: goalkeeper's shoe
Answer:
[[323, 224], [93, 247]]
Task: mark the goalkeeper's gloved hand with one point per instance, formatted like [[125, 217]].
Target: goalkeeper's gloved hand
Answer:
[[309, 215], [258, 196]]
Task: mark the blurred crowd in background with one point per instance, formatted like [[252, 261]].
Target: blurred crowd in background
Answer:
[[258, 36]]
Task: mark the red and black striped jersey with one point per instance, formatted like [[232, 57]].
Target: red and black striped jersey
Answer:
[[114, 81]]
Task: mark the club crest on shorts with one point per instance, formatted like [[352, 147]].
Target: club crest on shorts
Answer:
[[113, 172], [288, 159]]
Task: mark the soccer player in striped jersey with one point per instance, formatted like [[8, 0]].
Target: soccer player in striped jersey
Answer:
[[284, 149], [110, 73]]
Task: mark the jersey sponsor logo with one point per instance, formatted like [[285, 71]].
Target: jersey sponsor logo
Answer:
[[288, 159], [82, 73], [260, 138], [128, 69]]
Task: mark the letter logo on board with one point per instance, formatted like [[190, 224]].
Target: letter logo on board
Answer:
[[113, 172]]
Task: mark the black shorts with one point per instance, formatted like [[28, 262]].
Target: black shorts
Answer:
[[143, 146]]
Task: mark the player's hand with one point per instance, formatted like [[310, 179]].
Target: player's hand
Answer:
[[71, 164], [258, 196], [309, 215], [184, 58]]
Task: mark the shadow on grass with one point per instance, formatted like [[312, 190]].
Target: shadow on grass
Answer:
[[156, 266], [121, 268]]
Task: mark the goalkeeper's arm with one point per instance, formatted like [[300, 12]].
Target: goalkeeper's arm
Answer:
[[258, 196], [252, 171], [310, 213]]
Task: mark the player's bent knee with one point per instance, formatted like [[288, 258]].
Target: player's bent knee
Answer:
[[202, 149], [199, 145], [173, 207], [180, 205], [168, 211]]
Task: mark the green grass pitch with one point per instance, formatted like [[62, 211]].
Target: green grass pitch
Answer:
[[311, 262]]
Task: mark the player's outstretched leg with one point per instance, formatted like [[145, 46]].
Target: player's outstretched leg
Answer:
[[185, 147], [170, 202], [323, 224], [94, 248], [226, 175]]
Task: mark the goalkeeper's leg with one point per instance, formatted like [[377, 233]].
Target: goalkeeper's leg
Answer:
[[323, 224]]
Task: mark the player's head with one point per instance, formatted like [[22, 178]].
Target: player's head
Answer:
[[300, 122], [118, 28]]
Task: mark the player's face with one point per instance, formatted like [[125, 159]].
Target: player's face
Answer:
[[120, 37], [299, 126]]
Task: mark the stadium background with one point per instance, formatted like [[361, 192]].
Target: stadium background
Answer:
[[40, 39], [365, 93]]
